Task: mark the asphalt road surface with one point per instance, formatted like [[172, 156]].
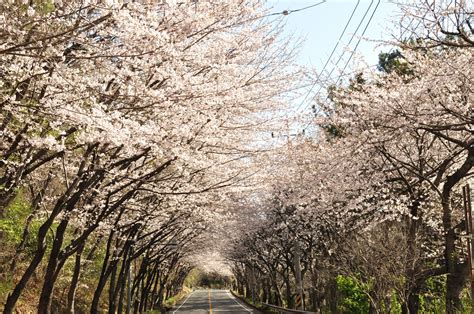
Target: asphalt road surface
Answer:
[[212, 301]]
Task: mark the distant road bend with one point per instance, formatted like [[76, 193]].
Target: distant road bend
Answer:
[[212, 301]]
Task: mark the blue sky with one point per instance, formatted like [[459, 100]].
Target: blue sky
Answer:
[[322, 25]]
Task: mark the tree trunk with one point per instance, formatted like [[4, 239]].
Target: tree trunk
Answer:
[[74, 281], [455, 272], [41, 249], [453, 300], [155, 289], [265, 291], [121, 282], [103, 275], [121, 296], [332, 295], [372, 309], [289, 299], [147, 289], [49, 280], [112, 289], [413, 303], [277, 295], [240, 288]]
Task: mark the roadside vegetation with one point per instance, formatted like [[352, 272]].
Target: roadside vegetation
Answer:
[[140, 139], [372, 203], [120, 123]]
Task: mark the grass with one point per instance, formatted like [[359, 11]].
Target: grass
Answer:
[[172, 301]]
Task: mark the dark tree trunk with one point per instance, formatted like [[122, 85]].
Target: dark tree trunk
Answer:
[[155, 290], [240, 288], [147, 288], [289, 299], [314, 298], [112, 289], [149, 300], [277, 295], [40, 251], [49, 280], [372, 306], [404, 307], [411, 266], [71, 296], [121, 298], [453, 301], [265, 291], [332, 296], [413, 303], [103, 275], [455, 280]]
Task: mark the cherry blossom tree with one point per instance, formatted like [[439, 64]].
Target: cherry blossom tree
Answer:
[[116, 113], [391, 152], [420, 124]]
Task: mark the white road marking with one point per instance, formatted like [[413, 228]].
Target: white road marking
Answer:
[[233, 298], [183, 302]]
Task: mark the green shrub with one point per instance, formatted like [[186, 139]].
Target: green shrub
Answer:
[[353, 298], [15, 215]]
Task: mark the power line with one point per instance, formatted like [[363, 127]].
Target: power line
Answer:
[[360, 38], [358, 42], [373, 66], [353, 36], [288, 12], [330, 57], [342, 54]]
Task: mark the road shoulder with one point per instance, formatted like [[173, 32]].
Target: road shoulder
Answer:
[[243, 302]]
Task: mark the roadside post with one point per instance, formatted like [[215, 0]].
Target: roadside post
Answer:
[[466, 193], [299, 302]]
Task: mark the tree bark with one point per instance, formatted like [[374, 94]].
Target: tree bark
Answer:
[[413, 303], [112, 289], [103, 274], [455, 279], [289, 299], [20, 286], [71, 296], [48, 283]]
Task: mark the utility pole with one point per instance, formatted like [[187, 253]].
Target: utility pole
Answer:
[[299, 283], [466, 192], [129, 288]]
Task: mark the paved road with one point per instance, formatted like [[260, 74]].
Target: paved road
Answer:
[[212, 301]]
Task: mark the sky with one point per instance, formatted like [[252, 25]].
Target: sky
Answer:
[[322, 25]]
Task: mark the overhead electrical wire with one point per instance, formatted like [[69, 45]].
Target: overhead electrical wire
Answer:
[[342, 54], [288, 12], [329, 58], [358, 42], [357, 45]]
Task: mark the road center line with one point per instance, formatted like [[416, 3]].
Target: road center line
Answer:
[[210, 304]]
